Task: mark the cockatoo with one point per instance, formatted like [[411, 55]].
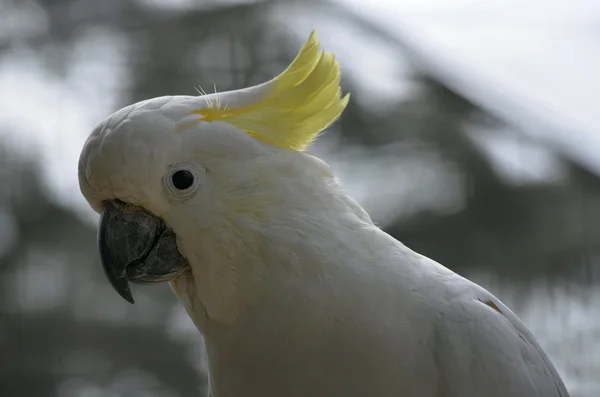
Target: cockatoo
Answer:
[[296, 292]]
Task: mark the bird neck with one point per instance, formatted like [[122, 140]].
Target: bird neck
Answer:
[[291, 255]]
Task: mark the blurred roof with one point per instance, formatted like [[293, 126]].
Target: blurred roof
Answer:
[[532, 63]]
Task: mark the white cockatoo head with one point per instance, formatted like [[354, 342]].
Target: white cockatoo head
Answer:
[[202, 191]]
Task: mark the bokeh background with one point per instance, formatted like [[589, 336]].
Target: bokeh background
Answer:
[[472, 136]]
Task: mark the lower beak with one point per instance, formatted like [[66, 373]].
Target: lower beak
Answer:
[[136, 246]]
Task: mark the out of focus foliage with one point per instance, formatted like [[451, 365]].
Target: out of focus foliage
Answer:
[[63, 332]]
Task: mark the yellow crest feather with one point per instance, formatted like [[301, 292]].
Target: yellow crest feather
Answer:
[[306, 98]]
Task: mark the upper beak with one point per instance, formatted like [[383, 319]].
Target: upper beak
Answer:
[[136, 246]]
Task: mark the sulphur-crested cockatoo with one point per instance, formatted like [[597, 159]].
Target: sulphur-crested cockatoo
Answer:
[[294, 289]]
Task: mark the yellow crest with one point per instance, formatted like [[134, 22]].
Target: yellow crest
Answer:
[[304, 100]]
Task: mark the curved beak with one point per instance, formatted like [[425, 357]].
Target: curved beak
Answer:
[[136, 246]]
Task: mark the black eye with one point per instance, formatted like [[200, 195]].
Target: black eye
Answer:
[[182, 179]]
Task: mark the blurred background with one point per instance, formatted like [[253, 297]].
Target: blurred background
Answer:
[[472, 136]]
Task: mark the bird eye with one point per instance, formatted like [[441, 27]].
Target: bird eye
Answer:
[[182, 179]]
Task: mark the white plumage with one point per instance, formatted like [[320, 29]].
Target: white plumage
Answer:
[[295, 290]]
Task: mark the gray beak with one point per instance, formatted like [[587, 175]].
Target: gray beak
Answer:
[[136, 246]]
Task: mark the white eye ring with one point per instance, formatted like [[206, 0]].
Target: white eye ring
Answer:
[[183, 180]]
